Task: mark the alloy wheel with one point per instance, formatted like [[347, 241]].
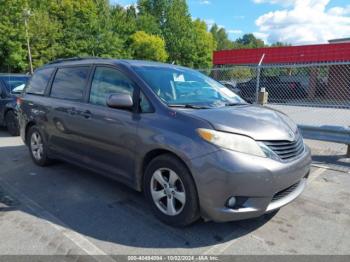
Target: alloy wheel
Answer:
[[37, 146], [168, 191]]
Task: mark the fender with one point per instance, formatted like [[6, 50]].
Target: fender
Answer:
[[9, 103]]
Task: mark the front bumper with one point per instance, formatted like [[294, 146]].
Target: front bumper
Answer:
[[264, 184]]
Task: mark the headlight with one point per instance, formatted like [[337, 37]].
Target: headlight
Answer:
[[233, 142]]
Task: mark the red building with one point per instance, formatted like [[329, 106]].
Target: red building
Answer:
[[337, 51]]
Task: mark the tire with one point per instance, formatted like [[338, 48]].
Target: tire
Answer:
[[12, 123], [37, 147], [182, 187]]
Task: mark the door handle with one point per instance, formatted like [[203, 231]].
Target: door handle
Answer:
[[86, 114]]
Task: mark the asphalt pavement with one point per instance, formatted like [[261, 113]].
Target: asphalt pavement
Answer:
[[66, 210]]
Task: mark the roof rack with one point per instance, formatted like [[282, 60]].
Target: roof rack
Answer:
[[77, 58]]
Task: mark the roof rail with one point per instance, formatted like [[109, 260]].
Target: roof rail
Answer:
[[76, 58]]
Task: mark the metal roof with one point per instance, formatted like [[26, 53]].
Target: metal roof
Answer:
[[339, 52]]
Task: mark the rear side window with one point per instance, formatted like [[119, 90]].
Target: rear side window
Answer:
[[39, 81], [108, 81], [69, 83]]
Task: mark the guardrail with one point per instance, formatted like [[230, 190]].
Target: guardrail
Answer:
[[336, 134]]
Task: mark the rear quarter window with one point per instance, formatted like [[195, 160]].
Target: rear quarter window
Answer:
[[39, 81]]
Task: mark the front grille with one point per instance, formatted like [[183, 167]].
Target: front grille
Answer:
[[285, 192], [286, 150]]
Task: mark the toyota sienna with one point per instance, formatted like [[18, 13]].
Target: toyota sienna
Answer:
[[194, 147]]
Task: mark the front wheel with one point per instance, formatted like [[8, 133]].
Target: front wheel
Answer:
[[12, 123], [171, 192]]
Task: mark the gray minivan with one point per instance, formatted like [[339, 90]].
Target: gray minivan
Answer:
[[194, 147]]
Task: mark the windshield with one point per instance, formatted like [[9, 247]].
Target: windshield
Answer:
[[13, 82], [180, 86]]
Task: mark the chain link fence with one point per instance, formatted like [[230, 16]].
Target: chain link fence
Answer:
[[311, 94]]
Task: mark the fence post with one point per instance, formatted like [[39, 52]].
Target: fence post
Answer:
[[258, 79], [263, 96], [348, 150]]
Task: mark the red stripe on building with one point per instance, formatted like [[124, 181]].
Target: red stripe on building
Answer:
[[339, 52]]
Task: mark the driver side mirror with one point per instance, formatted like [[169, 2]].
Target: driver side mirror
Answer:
[[120, 101]]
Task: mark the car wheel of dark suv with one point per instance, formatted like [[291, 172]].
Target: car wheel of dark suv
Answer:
[[37, 147], [171, 192], [12, 123]]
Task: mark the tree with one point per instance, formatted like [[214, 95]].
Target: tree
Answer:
[[45, 35], [278, 44], [204, 45], [13, 51], [123, 22], [187, 42], [148, 47], [249, 41], [157, 8], [148, 23], [68, 28], [221, 37], [178, 33]]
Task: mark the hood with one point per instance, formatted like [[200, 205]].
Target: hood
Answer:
[[259, 123]]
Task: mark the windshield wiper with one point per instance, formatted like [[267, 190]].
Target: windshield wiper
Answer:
[[234, 104], [188, 106]]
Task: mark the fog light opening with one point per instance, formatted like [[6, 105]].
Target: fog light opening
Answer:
[[236, 202], [231, 202]]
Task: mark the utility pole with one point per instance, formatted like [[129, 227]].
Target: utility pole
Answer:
[[26, 15]]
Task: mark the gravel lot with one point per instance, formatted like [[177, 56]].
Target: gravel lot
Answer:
[[66, 210]]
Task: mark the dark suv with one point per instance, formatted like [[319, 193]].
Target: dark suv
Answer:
[[11, 85], [279, 91], [193, 146]]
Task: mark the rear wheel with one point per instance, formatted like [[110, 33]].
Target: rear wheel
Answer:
[[171, 192], [37, 147], [12, 123]]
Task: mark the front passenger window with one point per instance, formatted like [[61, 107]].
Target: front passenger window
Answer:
[[108, 81], [145, 105]]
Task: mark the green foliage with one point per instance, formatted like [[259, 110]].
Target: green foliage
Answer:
[[237, 73], [279, 44], [148, 47], [204, 44], [249, 41], [157, 8], [246, 41], [123, 21], [161, 30], [221, 38], [177, 32], [45, 36], [149, 24], [12, 35], [241, 72]]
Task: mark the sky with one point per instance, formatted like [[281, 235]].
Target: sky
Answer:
[[295, 22]]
